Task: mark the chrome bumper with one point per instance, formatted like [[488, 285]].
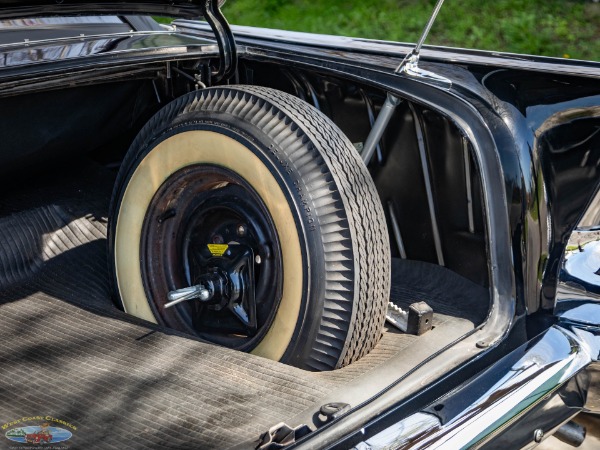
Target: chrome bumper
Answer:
[[518, 401]]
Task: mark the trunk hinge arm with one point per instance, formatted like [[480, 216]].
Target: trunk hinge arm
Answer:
[[227, 47], [408, 66]]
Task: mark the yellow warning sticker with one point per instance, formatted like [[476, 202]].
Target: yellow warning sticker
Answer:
[[217, 249]]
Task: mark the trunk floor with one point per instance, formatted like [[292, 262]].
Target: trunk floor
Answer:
[[66, 352]]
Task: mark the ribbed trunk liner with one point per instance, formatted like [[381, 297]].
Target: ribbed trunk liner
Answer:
[[68, 354]]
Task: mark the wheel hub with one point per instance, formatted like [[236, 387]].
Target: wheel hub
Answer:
[[225, 280]]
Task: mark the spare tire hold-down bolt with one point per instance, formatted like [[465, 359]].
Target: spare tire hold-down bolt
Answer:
[[198, 292]]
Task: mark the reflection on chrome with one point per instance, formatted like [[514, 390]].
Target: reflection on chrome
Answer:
[[71, 48], [585, 262], [537, 375], [45, 21], [401, 433], [579, 278]]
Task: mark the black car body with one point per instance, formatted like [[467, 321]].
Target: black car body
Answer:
[[489, 163]]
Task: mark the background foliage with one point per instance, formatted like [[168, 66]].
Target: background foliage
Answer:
[[563, 28]]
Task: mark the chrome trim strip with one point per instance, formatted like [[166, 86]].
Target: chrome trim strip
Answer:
[[523, 380], [399, 435]]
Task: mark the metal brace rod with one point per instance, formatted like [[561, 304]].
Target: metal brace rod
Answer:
[[227, 48], [396, 229], [428, 188], [311, 91], [469, 186], [298, 88], [379, 127], [371, 115]]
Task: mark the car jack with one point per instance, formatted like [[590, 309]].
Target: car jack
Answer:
[[417, 320]]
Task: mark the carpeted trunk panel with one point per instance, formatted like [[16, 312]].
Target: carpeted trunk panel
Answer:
[[120, 382], [67, 353]]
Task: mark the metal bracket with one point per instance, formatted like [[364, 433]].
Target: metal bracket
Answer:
[[227, 47], [411, 68], [417, 320], [280, 436]]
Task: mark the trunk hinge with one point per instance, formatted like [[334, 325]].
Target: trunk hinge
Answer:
[[227, 47]]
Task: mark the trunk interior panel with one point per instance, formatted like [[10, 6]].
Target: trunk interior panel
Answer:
[[397, 167], [127, 383]]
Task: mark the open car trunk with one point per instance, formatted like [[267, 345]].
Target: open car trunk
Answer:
[[128, 383]]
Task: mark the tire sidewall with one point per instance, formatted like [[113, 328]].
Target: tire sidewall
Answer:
[[292, 186]]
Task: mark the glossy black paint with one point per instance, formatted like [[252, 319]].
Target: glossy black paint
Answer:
[[558, 408], [224, 36], [534, 125], [46, 65], [72, 51], [20, 31], [555, 121], [365, 51], [524, 98], [472, 117]]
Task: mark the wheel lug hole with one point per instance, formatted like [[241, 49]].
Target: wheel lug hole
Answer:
[[241, 230], [217, 239]]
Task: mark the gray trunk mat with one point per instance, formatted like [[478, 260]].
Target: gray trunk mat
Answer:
[[66, 353]]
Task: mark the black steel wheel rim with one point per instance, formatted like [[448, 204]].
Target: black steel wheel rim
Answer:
[[196, 206]]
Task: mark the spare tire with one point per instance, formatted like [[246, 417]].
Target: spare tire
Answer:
[[260, 201]]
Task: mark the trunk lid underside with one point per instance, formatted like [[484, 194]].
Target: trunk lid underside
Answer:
[[176, 8]]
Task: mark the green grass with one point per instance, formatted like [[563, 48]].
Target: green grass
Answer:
[[563, 28]]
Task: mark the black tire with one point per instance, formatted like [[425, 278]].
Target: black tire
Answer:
[[318, 196]]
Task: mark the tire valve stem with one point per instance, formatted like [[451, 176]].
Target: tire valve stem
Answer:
[[198, 292], [168, 214]]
